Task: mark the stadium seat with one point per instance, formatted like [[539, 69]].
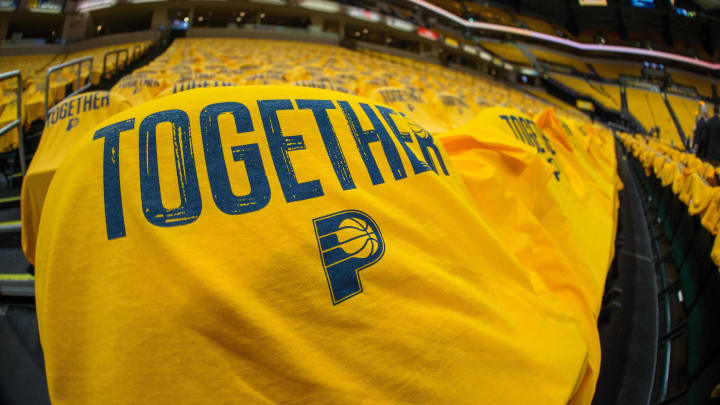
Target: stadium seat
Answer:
[[67, 122], [238, 249]]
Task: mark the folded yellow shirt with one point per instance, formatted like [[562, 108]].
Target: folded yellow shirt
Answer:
[[281, 244]]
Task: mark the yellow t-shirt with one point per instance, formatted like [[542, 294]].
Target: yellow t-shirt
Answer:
[[452, 109], [509, 145], [711, 217], [185, 85], [413, 104], [9, 140], [140, 88], [67, 122], [284, 244]]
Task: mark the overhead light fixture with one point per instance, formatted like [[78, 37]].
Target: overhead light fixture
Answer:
[[91, 5], [470, 49], [399, 24], [320, 5], [362, 14]]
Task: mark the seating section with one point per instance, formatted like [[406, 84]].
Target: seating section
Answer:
[[613, 70], [507, 51], [548, 57], [609, 92], [650, 109], [544, 184], [700, 83], [686, 110], [438, 97], [62, 82], [562, 107], [607, 95]]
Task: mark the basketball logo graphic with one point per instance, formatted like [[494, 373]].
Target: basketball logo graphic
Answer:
[[349, 241], [73, 122]]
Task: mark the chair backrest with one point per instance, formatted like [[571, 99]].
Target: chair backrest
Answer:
[[248, 240], [67, 123]]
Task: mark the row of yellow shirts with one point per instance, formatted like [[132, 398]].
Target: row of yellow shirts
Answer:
[[218, 220], [236, 56], [233, 53], [707, 170], [290, 64], [436, 111], [33, 97], [77, 114], [690, 184]]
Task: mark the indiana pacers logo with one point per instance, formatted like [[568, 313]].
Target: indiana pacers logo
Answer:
[[349, 241]]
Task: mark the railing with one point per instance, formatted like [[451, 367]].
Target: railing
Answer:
[[117, 54], [137, 52], [17, 123], [79, 87]]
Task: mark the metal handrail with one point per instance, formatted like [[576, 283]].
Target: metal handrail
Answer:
[[18, 121], [117, 54], [137, 51], [79, 62]]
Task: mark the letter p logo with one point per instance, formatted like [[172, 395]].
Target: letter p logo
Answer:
[[349, 241], [72, 123]]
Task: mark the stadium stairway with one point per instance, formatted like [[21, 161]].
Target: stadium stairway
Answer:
[[674, 118], [528, 54], [157, 49], [628, 322]]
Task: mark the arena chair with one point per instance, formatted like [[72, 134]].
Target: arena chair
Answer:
[[702, 84], [191, 62], [67, 122], [507, 51], [650, 109], [595, 91], [698, 286], [613, 70], [698, 268], [704, 328], [686, 110], [555, 58], [441, 196], [34, 68]]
